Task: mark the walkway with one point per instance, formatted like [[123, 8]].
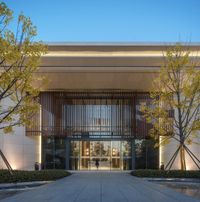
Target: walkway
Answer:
[[100, 187]]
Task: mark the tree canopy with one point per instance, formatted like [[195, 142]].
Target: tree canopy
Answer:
[[19, 60], [175, 108]]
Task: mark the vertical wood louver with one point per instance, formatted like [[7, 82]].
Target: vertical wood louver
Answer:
[[86, 114]]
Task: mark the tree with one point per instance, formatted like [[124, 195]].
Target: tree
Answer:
[[19, 59], [175, 108]]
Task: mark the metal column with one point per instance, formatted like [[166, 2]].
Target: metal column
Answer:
[[67, 166], [133, 154]]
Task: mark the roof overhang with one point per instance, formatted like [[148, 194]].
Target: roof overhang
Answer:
[[106, 65]]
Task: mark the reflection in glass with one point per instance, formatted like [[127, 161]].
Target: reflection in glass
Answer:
[[85, 148], [84, 163], [115, 164], [74, 155], [115, 148], [48, 152], [105, 151], [111, 155], [53, 153], [146, 156], [126, 148], [127, 164], [95, 148], [98, 117], [59, 158]]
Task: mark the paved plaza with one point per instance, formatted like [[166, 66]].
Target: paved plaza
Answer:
[[100, 187]]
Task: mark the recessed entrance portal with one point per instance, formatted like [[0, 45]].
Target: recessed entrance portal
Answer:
[[109, 155], [83, 129]]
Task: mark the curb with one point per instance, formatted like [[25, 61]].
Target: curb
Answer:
[[20, 185], [191, 180]]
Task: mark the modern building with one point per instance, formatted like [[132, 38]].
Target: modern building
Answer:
[[90, 112]]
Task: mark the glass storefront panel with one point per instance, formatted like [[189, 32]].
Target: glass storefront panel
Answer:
[[101, 118], [60, 153], [116, 148], [53, 153], [104, 164], [115, 164], [127, 163], [100, 155], [75, 149], [74, 164], [85, 149], [126, 149], [95, 148], [146, 156], [84, 163], [74, 155], [48, 152]]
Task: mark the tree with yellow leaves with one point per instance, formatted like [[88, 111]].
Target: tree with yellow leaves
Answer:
[[175, 108], [19, 59]]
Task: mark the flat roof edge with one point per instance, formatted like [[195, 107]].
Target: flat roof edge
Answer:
[[121, 43]]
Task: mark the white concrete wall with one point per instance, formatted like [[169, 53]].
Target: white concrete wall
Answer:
[[167, 151], [20, 150]]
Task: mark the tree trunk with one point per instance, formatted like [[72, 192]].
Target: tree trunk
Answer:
[[182, 158], [6, 162]]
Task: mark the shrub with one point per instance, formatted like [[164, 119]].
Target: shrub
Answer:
[[166, 174], [25, 176]]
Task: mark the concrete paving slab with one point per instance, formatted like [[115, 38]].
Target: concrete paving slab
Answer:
[[100, 187], [16, 185]]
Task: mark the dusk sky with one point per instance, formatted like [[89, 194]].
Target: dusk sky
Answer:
[[112, 20]]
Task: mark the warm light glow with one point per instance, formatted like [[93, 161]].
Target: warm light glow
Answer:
[[14, 165], [160, 153], [114, 151], [40, 149], [109, 54], [87, 152], [40, 137]]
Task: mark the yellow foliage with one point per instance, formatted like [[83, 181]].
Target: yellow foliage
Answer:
[[174, 112], [8, 129], [19, 59]]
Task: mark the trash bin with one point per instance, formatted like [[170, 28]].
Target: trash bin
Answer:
[[37, 166], [162, 166]]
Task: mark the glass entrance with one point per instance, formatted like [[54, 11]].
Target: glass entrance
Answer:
[[100, 155]]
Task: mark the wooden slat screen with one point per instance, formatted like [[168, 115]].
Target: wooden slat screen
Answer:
[[101, 114]]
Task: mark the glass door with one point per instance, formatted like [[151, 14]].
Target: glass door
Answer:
[[116, 155], [85, 155], [105, 155], [100, 155]]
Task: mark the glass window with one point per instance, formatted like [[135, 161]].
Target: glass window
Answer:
[[48, 152], [60, 153], [109, 155], [146, 156], [53, 152]]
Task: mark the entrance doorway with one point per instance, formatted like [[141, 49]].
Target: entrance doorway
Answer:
[[110, 155]]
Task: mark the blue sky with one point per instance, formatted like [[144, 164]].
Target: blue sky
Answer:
[[112, 20]]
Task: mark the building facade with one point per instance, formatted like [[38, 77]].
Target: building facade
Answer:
[[90, 112]]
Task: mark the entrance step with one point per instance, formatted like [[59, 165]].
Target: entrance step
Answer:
[[99, 171]]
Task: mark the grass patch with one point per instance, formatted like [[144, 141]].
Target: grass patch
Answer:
[[27, 176], [166, 174]]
